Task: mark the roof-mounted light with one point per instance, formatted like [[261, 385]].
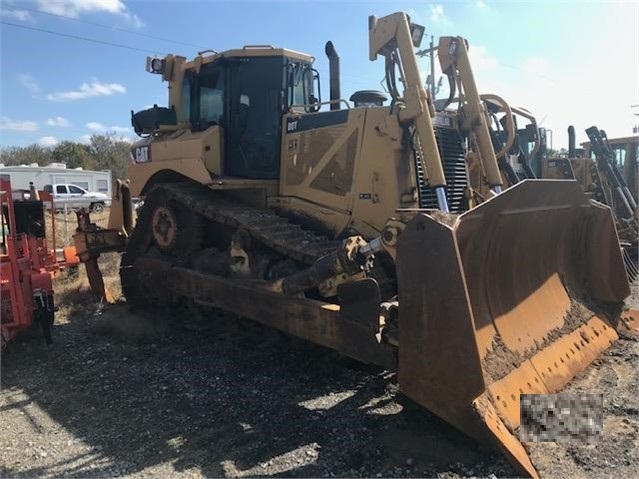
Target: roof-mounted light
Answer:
[[155, 65], [417, 33]]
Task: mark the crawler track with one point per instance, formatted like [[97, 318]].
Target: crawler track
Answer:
[[266, 227]]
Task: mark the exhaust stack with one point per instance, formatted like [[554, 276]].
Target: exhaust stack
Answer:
[[571, 142], [333, 59]]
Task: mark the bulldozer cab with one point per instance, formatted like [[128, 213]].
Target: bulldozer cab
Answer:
[[246, 96]]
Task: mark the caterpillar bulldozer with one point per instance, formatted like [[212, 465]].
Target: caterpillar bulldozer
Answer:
[[355, 227], [600, 169], [602, 172]]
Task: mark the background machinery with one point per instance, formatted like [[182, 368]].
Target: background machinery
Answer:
[[357, 228], [606, 174], [26, 266], [624, 152]]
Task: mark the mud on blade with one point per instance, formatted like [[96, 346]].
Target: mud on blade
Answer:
[[500, 304]]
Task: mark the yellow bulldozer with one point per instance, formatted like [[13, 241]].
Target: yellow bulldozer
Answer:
[[607, 172], [355, 227]]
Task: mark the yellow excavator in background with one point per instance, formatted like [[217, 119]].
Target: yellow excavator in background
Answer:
[[606, 174], [624, 152], [357, 228]]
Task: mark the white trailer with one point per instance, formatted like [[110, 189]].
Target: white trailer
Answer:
[[58, 173]]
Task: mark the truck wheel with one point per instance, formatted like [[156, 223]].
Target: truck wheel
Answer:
[[97, 207]]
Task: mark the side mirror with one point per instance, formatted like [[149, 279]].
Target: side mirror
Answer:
[[315, 106]]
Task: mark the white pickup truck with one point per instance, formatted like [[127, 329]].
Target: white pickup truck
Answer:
[[75, 197]]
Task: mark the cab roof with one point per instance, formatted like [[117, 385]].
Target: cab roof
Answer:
[[209, 56]]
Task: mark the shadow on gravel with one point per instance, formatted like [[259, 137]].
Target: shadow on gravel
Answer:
[[236, 400]]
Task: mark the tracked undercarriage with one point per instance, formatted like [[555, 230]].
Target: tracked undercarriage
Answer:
[[191, 226], [192, 240]]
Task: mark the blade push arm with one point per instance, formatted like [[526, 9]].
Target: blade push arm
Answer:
[[453, 58], [392, 37]]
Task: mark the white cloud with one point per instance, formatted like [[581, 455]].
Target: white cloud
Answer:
[[30, 84], [437, 13], [95, 126], [100, 128], [481, 59], [86, 139], [48, 141], [58, 121], [74, 8], [7, 123], [133, 19], [481, 5], [87, 90], [120, 129], [21, 15]]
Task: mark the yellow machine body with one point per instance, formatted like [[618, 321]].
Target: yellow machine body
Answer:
[[494, 299]]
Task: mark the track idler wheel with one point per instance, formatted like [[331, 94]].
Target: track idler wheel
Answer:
[[164, 225], [175, 228]]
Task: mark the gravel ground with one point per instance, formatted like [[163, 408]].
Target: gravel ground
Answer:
[[119, 394]]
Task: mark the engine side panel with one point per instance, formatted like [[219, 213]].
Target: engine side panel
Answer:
[[350, 162]]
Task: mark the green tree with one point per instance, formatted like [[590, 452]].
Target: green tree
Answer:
[[25, 155], [110, 153], [74, 155], [551, 153]]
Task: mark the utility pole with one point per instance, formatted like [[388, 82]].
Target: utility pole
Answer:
[[430, 82], [635, 129]]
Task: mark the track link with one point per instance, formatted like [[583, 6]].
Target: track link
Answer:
[[264, 226]]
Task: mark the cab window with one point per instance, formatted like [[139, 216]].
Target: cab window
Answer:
[[186, 95], [61, 190], [620, 156], [300, 86], [212, 96], [75, 190], [205, 96]]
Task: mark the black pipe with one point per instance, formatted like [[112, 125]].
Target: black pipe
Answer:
[[333, 64], [571, 142]]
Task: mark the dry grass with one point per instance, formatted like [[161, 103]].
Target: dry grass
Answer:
[[73, 295], [65, 226]]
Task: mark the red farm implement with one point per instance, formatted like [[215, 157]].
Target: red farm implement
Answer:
[[27, 266]]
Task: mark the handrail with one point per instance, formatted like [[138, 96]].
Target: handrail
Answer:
[[327, 102], [265, 47]]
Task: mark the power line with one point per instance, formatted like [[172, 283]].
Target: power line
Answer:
[[101, 25], [77, 37]]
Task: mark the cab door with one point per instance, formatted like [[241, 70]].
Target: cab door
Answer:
[[254, 120], [76, 196]]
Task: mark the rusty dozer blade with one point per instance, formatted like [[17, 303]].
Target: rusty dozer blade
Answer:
[[494, 304]]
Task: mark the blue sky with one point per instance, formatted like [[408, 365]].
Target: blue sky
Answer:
[[566, 62]]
